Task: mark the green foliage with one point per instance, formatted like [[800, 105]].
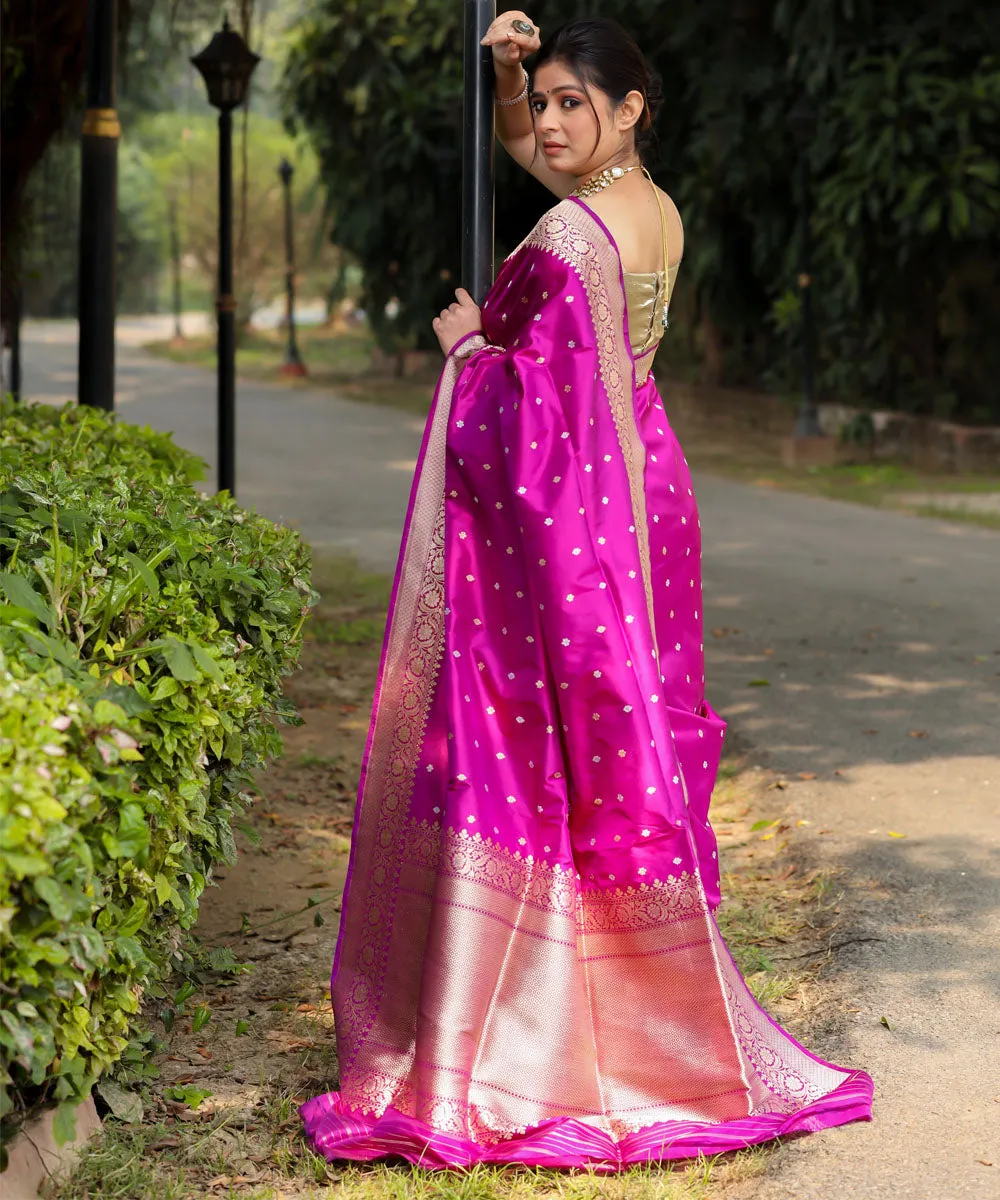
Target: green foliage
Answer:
[[170, 157], [51, 243], [904, 159], [183, 155], [378, 88], [144, 632]]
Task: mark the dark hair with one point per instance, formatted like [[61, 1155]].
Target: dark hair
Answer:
[[599, 52]]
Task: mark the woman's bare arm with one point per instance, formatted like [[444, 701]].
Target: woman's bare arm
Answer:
[[515, 128]]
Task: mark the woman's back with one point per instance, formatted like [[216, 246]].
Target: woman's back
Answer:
[[630, 212]]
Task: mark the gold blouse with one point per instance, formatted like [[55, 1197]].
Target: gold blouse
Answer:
[[646, 295]]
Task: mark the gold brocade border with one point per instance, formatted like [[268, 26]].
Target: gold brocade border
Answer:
[[549, 887], [574, 236], [414, 647]]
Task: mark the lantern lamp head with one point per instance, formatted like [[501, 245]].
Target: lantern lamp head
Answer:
[[226, 65]]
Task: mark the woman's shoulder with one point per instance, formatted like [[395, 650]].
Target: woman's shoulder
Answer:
[[633, 221]]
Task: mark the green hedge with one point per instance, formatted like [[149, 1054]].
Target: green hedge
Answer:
[[144, 632]]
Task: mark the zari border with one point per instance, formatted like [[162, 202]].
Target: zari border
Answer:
[[575, 236], [414, 645], [548, 887]]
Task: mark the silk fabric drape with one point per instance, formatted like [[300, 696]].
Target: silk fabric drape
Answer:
[[528, 967]]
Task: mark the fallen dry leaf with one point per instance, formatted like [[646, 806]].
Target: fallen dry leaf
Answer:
[[985, 1162], [289, 1041], [893, 833], [918, 733], [807, 774], [803, 822], [871, 731], [305, 1008]]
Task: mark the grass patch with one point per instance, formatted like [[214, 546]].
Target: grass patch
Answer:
[[352, 609], [964, 516], [221, 1157], [880, 485]]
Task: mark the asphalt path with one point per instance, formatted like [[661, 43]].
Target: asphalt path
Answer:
[[878, 636]]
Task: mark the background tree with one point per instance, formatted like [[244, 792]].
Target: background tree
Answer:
[[41, 65], [183, 153], [167, 149], [905, 160]]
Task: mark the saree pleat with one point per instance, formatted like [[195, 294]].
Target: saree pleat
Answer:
[[528, 968]]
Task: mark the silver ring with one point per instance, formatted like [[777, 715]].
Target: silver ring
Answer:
[[523, 27]]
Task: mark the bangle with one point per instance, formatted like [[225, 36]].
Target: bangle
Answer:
[[521, 95]]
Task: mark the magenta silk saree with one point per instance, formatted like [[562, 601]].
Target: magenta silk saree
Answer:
[[528, 968]]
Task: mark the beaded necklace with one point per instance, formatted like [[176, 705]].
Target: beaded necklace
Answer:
[[602, 180]]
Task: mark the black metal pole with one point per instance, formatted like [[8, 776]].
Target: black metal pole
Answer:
[[16, 315], [226, 308], [99, 213], [477, 151], [293, 364], [807, 422], [175, 268]]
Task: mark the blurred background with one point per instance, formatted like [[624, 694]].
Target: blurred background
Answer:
[[883, 117]]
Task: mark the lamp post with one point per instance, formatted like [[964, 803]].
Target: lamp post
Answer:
[[802, 121], [175, 269], [477, 151], [293, 364], [226, 65], [98, 213], [14, 330]]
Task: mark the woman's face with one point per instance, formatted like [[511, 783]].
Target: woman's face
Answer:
[[565, 128]]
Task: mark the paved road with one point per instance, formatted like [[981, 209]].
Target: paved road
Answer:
[[879, 635], [872, 627]]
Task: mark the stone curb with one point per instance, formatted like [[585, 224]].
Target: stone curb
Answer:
[[34, 1155]]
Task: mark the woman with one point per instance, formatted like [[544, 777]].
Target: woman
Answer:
[[528, 969]]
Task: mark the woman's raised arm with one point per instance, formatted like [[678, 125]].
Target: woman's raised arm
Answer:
[[515, 128]]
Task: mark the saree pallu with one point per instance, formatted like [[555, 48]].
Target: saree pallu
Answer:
[[528, 968]]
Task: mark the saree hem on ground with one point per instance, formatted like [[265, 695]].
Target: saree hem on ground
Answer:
[[528, 967]]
